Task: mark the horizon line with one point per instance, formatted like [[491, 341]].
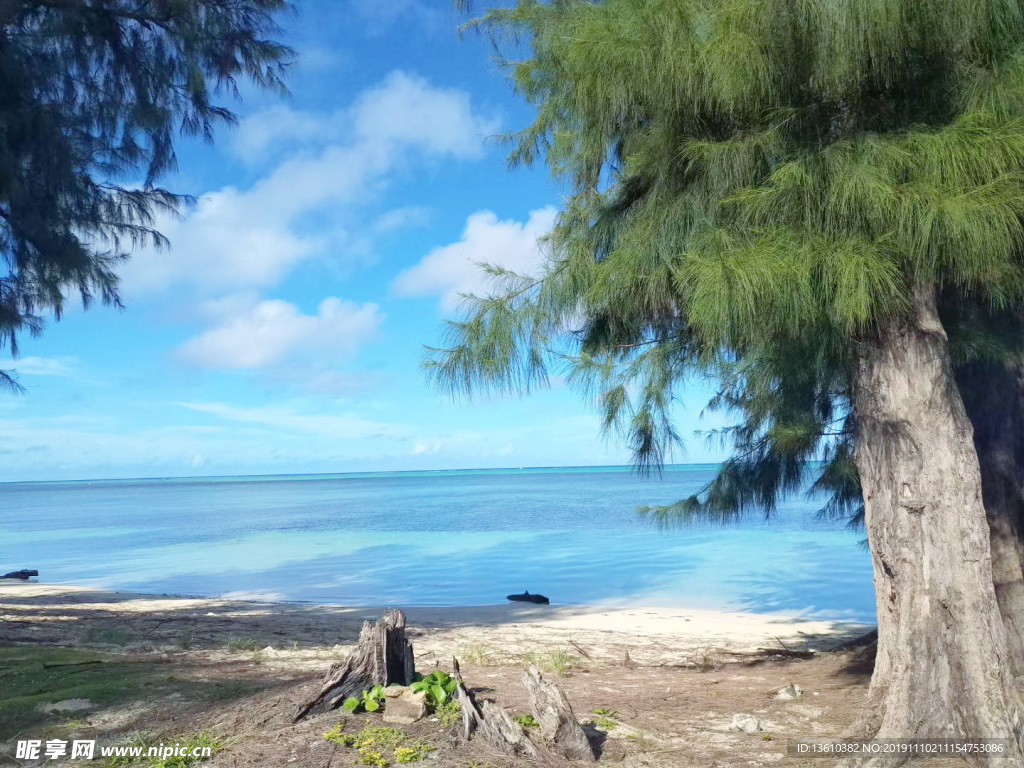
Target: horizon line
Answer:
[[363, 472]]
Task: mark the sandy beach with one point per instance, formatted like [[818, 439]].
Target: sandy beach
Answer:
[[653, 635], [662, 686]]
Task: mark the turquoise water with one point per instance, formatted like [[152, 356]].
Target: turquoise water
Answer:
[[431, 538]]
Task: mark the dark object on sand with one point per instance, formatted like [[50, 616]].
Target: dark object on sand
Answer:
[[23, 574], [526, 597], [382, 657]]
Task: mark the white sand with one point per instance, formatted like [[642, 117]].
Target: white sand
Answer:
[[652, 635]]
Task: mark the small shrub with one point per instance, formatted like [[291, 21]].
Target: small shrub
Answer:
[[242, 644], [706, 660]]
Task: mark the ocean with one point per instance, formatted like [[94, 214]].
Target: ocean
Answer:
[[433, 538]]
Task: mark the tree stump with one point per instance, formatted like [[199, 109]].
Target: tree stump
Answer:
[[558, 724], [491, 722], [383, 656]]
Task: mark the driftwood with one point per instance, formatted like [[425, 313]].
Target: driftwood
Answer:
[[561, 733], [558, 724], [491, 722], [382, 657]]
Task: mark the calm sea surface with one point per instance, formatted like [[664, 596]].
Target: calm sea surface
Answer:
[[431, 538]]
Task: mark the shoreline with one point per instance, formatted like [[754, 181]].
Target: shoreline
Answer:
[[64, 614]]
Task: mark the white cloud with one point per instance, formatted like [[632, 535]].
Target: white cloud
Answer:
[[340, 426], [273, 331], [42, 366], [250, 238], [451, 270]]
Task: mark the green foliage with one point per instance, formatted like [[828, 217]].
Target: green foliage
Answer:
[[527, 721], [756, 188], [93, 96], [449, 713], [438, 687], [378, 746], [370, 700]]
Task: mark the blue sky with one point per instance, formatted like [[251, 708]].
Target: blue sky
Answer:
[[284, 329]]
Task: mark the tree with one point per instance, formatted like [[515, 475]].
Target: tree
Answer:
[[93, 92], [777, 195]]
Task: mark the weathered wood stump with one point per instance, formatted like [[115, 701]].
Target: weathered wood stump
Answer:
[[558, 724], [562, 735], [383, 656], [491, 722]]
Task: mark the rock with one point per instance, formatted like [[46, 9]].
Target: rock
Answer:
[[25, 575], [394, 691], [790, 693], [745, 723], [405, 708], [526, 597], [68, 705]]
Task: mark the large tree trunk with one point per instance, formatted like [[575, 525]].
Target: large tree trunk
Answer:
[[993, 395], [943, 667]]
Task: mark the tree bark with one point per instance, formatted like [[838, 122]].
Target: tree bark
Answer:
[[382, 656], [493, 723], [943, 666], [993, 395]]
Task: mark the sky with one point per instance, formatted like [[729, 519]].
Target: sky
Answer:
[[284, 329]]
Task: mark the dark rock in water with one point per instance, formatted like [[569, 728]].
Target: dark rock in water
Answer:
[[526, 597], [25, 574]]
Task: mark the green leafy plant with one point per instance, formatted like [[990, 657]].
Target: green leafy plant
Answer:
[[371, 700], [606, 712], [527, 721], [438, 686], [449, 713]]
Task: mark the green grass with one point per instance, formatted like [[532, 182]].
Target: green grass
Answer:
[[30, 676], [187, 744], [559, 662], [243, 644], [381, 746], [95, 636], [34, 675]]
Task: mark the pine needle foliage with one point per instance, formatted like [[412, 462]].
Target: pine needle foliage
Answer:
[[754, 187], [92, 96]]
